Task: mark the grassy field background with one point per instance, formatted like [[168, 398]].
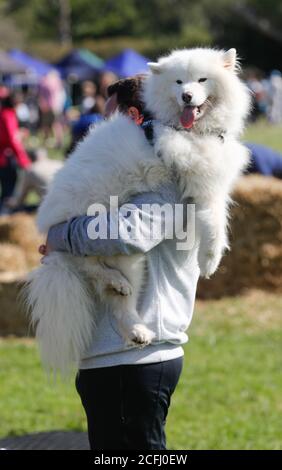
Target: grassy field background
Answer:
[[265, 134], [229, 395]]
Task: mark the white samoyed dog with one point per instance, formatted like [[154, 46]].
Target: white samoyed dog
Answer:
[[199, 107]]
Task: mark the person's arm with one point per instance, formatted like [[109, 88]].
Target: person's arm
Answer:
[[149, 228]]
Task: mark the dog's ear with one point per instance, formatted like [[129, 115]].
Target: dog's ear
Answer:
[[155, 67], [229, 59]]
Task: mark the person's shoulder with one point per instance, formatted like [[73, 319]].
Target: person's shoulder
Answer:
[[170, 191], [8, 113]]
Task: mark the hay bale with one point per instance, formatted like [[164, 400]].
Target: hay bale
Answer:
[[20, 229], [13, 319], [255, 260], [12, 258]]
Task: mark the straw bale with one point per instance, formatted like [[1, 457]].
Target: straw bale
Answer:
[[255, 259], [13, 318], [20, 229], [12, 258]]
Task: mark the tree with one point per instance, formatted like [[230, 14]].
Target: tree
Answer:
[[65, 22], [10, 34], [245, 24]]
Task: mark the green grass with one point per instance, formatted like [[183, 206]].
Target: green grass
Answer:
[[229, 395], [264, 133]]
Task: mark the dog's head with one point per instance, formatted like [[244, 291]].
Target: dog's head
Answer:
[[197, 89]]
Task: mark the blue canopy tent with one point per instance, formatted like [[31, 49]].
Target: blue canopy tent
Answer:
[[10, 69], [9, 65], [34, 66], [79, 65], [127, 63]]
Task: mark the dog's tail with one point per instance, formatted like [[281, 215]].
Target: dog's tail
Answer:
[[61, 311]]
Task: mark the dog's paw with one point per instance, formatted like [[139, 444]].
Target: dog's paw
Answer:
[[208, 263], [140, 335], [119, 285]]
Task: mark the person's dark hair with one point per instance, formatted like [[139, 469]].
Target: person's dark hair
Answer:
[[7, 102], [128, 91]]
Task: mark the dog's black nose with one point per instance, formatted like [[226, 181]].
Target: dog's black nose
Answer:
[[187, 97]]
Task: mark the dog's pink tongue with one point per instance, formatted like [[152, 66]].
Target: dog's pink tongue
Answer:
[[188, 116]]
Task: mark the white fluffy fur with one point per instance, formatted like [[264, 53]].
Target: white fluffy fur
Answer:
[[61, 341], [116, 159], [208, 167]]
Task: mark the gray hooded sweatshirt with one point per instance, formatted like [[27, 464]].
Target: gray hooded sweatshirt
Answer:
[[166, 302]]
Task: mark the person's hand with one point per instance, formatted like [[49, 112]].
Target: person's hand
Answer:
[[44, 250]]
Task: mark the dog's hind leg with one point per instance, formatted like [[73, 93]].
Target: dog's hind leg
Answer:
[[124, 308], [131, 326]]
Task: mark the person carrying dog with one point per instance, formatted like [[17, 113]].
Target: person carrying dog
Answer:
[[126, 392]]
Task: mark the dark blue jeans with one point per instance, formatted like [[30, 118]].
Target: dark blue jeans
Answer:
[[8, 179], [126, 406]]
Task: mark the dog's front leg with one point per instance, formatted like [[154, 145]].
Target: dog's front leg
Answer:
[[172, 146], [212, 230]]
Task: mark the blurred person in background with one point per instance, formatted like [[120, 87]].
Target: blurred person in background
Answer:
[[36, 177], [80, 126], [22, 110], [106, 79], [12, 152], [259, 95], [31, 101], [52, 98], [46, 113], [275, 89], [89, 92], [264, 161]]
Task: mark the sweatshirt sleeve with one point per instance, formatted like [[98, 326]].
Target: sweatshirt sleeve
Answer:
[[136, 227]]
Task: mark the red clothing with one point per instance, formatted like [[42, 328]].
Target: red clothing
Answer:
[[10, 145]]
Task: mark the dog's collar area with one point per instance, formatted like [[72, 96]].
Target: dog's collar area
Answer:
[[148, 128], [221, 136], [220, 133]]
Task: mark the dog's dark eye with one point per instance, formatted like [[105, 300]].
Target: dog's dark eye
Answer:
[[202, 80], [179, 82]]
